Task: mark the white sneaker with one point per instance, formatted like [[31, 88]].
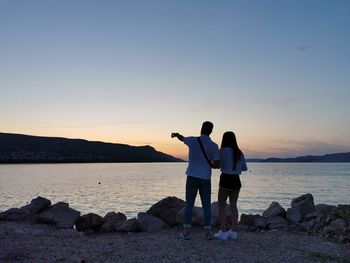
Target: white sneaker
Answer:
[[232, 234], [222, 235]]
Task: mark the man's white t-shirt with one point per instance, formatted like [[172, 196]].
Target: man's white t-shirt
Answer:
[[197, 164]]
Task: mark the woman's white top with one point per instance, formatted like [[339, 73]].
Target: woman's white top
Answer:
[[226, 162]]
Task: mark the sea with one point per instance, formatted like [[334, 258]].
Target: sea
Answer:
[[131, 188]]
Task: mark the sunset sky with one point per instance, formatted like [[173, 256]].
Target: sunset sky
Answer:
[[277, 73]]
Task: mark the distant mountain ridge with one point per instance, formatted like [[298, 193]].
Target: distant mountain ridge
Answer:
[[327, 158], [19, 148]]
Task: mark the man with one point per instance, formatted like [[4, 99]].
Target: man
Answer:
[[203, 156]]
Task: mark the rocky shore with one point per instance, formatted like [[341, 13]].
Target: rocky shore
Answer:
[[45, 232]]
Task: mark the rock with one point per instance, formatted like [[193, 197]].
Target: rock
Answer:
[[166, 209], [130, 225], [261, 222], [249, 220], [336, 226], [16, 214], [343, 212], [277, 220], [197, 216], [293, 215], [110, 220], [275, 209], [88, 221], [215, 213], [323, 209], [310, 216], [149, 223], [305, 204], [37, 205], [308, 225], [299, 228], [60, 215]]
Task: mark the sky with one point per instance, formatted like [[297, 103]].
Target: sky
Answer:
[[275, 72]]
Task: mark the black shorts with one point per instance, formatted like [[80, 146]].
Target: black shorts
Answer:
[[230, 181]]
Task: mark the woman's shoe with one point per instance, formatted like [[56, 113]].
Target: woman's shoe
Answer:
[[222, 235], [232, 234]]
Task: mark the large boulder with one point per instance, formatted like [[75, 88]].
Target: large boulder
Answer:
[[149, 223], [17, 214], [37, 205], [88, 221], [293, 215], [130, 225], [110, 220], [197, 216], [215, 213], [166, 209], [305, 204], [275, 209], [60, 215]]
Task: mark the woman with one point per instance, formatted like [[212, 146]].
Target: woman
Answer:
[[232, 163]]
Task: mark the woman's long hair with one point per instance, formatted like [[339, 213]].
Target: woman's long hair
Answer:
[[229, 140]]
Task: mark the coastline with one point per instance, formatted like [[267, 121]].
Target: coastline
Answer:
[[24, 242], [45, 232]]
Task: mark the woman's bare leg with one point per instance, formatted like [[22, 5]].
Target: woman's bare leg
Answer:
[[222, 197], [234, 211]]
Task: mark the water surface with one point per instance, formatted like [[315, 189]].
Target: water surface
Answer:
[[133, 187]]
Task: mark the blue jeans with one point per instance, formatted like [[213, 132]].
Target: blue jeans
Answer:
[[192, 186]]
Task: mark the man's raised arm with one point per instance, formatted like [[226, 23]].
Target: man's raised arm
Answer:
[[177, 135]]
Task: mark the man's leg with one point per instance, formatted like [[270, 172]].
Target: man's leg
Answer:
[[191, 193], [205, 194]]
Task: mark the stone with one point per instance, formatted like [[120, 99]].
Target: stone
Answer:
[[248, 220], [130, 225], [167, 209], [60, 215], [277, 220], [261, 222], [110, 220], [310, 216], [336, 226], [215, 213], [37, 205], [275, 209], [16, 214], [88, 221], [308, 225], [304, 203], [149, 223], [293, 215], [324, 209], [343, 212], [197, 216]]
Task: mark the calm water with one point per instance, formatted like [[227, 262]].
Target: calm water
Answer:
[[132, 188]]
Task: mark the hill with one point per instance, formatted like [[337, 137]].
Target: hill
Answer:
[[328, 158], [18, 148]]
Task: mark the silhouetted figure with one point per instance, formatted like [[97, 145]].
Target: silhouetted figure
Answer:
[[232, 163], [203, 156]]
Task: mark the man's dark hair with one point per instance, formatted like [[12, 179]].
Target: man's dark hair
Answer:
[[207, 128]]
